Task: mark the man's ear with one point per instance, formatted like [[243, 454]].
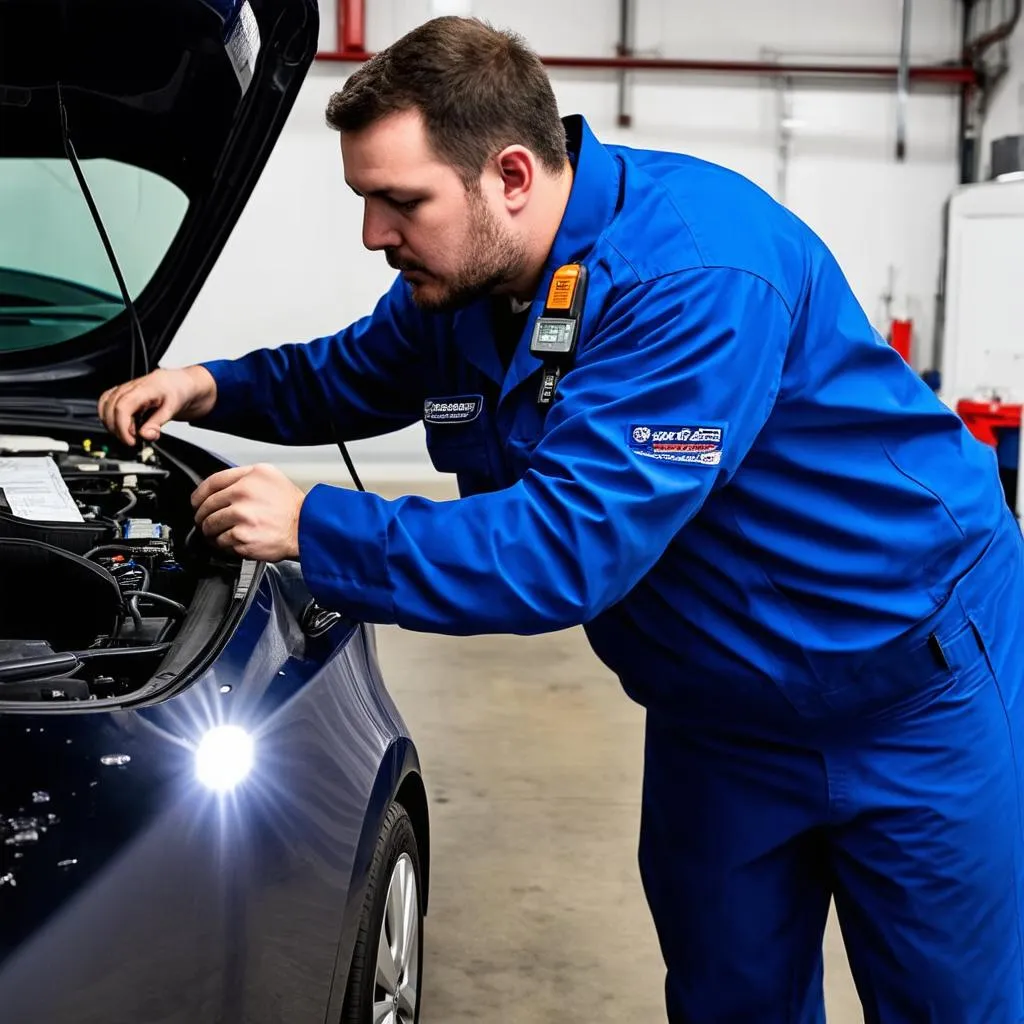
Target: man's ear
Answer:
[[517, 169]]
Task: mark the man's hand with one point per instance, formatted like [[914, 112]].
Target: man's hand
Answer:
[[187, 394], [252, 511]]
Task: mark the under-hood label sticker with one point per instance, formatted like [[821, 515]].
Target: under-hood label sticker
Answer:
[[243, 45], [34, 489]]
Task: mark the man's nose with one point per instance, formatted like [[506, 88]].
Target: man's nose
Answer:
[[378, 232]]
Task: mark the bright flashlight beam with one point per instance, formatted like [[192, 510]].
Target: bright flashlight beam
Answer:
[[224, 757]]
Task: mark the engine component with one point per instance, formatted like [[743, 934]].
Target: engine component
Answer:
[[128, 473], [20, 444], [33, 659], [76, 537], [146, 530], [15, 650], [30, 670], [35, 504], [129, 574], [146, 632]]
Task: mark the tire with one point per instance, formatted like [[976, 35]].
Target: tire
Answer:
[[394, 868]]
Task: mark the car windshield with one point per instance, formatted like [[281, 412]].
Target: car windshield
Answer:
[[56, 282]]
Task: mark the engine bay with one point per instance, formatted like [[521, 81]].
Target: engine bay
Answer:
[[100, 564]]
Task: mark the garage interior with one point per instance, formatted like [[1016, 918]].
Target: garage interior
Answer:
[[895, 128]]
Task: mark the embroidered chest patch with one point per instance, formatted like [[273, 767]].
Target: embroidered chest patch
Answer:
[[457, 409]]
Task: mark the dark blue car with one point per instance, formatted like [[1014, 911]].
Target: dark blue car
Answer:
[[210, 808]]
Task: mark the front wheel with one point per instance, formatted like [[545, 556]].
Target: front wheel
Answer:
[[387, 962]]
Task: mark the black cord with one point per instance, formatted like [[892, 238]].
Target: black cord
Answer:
[[132, 502], [351, 467], [133, 316], [167, 602]]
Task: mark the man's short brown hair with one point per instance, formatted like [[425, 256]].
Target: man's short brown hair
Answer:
[[478, 88]]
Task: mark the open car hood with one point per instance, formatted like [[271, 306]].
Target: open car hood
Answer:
[[172, 107]]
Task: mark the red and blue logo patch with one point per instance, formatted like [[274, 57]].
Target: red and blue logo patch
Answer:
[[700, 445]]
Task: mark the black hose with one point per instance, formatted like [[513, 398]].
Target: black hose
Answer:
[[133, 611], [132, 502], [139, 567], [133, 605], [167, 602]]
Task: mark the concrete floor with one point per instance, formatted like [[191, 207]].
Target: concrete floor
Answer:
[[533, 757]]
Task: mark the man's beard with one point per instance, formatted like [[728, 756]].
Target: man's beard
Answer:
[[494, 258]]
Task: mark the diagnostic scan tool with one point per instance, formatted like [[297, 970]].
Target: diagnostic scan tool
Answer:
[[557, 329]]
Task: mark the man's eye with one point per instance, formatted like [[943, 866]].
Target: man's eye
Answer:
[[409, 206]]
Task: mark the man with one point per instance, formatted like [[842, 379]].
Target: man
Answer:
[[787, 549]]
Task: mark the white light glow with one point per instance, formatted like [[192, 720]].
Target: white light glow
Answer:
[[224, 757]]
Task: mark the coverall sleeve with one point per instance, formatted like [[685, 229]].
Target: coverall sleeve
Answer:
[[363, 381], [592, 514]]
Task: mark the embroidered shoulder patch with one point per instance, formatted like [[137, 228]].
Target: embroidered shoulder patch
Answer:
[[702, 445], [457, 409]]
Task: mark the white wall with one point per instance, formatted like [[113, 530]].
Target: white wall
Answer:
[[1006, 109], [282, 277]]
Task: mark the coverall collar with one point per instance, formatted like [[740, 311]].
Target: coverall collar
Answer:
[[591, 206], [592, 201]]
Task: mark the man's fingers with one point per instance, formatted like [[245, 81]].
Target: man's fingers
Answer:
[[119, 407], [218, 482], [214, 503], [132, 400], [107, 404], [124, 417], [101, 406], [150, 429], [227, 541], [218, 521]]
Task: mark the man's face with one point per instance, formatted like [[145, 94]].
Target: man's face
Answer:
[[449, 243]]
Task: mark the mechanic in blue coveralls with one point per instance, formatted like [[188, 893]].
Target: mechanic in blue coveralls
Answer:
[[819, 603]]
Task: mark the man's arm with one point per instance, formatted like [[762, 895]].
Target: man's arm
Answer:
[[629, 455], [365, 380]]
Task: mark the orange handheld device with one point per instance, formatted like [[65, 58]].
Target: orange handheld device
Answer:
[[557, 329]]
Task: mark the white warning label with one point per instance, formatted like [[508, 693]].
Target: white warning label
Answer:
[[243, 45]]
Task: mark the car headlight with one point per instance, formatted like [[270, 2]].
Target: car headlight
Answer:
[[224, 757]]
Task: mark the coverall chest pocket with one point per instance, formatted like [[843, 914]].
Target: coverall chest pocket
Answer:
[[459, 434]]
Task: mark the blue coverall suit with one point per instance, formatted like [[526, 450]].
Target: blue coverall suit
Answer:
[[789, 551]]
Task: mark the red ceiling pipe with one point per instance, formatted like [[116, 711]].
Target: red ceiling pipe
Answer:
[[352, 30], [935, 73]]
